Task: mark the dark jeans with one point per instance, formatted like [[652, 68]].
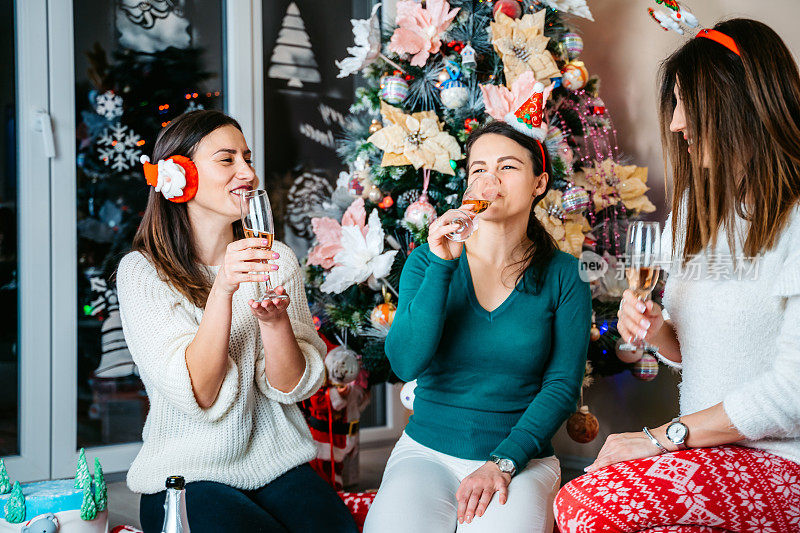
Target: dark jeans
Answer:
[[298, 501]]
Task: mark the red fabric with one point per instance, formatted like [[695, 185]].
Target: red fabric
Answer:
[[358, 503], [729, 488]]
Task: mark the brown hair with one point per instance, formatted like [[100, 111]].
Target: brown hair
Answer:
[[744, 112], [542, 247], [165, 235]]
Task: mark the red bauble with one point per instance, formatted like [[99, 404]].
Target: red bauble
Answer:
[[511, 8]]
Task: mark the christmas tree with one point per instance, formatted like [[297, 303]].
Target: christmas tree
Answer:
[[88, 507], [82, 477], [100, 490], [5, 483], [15, 506], [427, 87], [292, 58]]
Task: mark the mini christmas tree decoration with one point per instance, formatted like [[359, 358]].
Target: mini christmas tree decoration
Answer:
[[88, 507], [646, 369], [582, 426], [15, 506], [82, 476], [5, 482], [100, 489]]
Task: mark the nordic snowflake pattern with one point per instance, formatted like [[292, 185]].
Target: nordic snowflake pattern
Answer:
[[118, 147], [109, 105], [690, 487]]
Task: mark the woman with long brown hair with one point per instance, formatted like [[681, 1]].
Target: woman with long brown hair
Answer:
[[730, 116], [495, 330], [222, 370]]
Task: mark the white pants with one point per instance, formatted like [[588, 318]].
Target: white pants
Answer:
[[418, 495]]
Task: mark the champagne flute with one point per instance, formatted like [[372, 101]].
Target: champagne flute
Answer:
[[642, 256], [480, 194], [257, 223]]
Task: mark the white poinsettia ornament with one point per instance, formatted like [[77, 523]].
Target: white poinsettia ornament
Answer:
[[367, 39], [415, 139], [361, 258]]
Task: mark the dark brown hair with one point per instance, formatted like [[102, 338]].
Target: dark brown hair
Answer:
[[542, 247], [744, 113], [165, 235]]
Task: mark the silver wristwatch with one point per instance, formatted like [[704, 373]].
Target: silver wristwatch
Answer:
[[677, 433], [506, 466]]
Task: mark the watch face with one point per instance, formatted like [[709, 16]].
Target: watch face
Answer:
[[676, 432], [506, 465]]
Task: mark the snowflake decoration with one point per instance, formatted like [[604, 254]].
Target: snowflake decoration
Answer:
[[119, 147], [109, 105]]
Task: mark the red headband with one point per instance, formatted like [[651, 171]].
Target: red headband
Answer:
[[721, 38], [544, 161]]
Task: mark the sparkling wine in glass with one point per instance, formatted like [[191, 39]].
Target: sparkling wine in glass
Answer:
[[642, 256], [480, 194], [257, 223]]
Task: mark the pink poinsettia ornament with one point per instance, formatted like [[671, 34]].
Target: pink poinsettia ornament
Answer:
[[419, 29], [329, 234]]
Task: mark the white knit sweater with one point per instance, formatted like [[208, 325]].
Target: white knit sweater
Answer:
[[740, 338], [253, 432]]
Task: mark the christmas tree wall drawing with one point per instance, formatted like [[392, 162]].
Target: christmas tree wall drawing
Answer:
[[292, 58]]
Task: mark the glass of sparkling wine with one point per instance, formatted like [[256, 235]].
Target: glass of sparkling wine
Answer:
[[257, 222], [642, 256], [482, 191]]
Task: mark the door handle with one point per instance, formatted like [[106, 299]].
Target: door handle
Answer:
[[43, 124]]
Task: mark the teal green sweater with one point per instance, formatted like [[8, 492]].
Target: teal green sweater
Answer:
[[497, 383]]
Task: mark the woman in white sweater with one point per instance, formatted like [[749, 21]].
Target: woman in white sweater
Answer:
[[730, 115], [222, 372]]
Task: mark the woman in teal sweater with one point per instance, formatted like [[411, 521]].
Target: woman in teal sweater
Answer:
[[496, 334]]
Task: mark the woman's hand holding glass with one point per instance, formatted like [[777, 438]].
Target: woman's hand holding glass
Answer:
[[244, 262], [638, 319], [438, 234], [642, 268]]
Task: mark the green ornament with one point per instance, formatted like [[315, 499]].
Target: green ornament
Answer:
[[87, 310], [100, 490], [15, 506], [453, 164], [88, 508], [5, 483], [82, 477]]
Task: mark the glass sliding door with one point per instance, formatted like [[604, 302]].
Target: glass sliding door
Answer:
[[129, 69]]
